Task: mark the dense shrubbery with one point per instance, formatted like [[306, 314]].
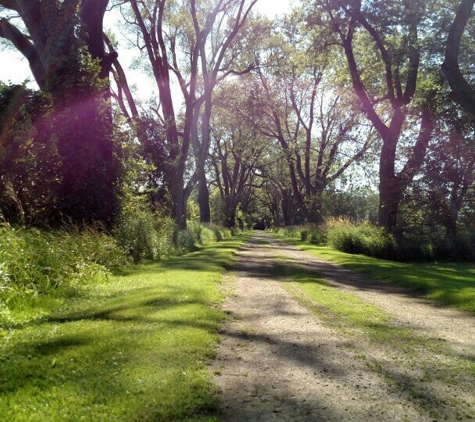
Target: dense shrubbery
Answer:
[[364, 238], [368, 239], [145, 235], [148, 235], [33, 262]]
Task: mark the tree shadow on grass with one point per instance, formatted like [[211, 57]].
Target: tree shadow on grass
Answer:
[[111, 354], [449, 285]]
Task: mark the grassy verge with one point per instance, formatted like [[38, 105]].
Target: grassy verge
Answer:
[[343, 311], [135, 348], [413, 364], [451, 284]]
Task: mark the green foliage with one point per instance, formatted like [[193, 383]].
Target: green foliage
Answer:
[[220, 233], [294, 232], [28, 155], [34, 262], [138, 236], [412, 245], [315, 234], [429, 243], [136, 348], [344, 235], [199, 234], [185, 242], [236, 230], [144, 234], [203, 233], [362, 238]]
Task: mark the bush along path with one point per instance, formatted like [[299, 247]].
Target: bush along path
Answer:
[[134, 348], [311, 341]]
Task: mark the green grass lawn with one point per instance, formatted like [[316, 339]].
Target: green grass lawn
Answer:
[[136, 348], [451, 284]]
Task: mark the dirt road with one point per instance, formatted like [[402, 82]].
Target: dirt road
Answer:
[[278, 361]]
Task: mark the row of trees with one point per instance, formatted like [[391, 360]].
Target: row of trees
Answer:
[[278, 116]]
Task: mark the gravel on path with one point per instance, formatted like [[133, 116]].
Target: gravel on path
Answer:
[[278, 362]]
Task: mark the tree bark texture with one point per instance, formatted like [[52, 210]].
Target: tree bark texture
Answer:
[[53, 45], [462, 92]]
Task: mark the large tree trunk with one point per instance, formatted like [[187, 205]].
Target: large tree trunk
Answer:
[[230, 216], [57, 35], [390, 195], [87, 192], [462, 91], [203, 198]]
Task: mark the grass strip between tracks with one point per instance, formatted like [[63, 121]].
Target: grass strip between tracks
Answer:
[[449, 283]]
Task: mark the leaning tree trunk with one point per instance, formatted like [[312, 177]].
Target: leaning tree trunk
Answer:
[[462, 91]]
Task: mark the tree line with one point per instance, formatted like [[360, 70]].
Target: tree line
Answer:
[[356, 108]]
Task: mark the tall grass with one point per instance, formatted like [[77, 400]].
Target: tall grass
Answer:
[[368, 239], [314, 234], [34, 262], [37, 263], [145, 234], [361, 238]]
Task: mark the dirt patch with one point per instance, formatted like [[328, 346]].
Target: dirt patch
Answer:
[[277, 361]]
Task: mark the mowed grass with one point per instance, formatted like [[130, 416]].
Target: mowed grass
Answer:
[[134, 349], [417, 367], [450, 284], [433, 365]]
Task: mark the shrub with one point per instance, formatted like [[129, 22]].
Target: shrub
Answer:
[[435, 244], [207, 235], [220, 232], [184, 242], [201, 233], [138, 235], [34, 262], [293, 232], [312, 233], [363, 238], [146, 234]]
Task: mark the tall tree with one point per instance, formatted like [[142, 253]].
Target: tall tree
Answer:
[[382, 45], [440, 195], [236, 150], [315, 126], [462, 90], [190, 47], [63, 44]]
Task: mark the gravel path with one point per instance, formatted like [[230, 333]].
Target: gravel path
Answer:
[[278, 362]]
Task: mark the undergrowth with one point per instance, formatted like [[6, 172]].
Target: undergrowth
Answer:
[[368, 239], [135, 348], [34, 262]]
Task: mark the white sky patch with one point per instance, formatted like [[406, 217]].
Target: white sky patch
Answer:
[[273, 8], [14, 68]]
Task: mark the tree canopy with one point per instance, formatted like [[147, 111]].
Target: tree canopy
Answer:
[[256, 119]]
